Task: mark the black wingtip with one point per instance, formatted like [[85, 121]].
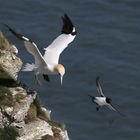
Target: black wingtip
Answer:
[[68, 27], [13, 31]]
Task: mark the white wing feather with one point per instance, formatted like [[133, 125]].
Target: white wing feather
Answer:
[[32, 49], [30, 46], [53, 51], [99, 87], [112, 108]]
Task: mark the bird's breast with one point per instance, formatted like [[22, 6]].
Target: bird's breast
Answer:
[[100, 101]]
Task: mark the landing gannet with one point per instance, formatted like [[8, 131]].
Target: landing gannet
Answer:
[[48, 64], [102, 100]]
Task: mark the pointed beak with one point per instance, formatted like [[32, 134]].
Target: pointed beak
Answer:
[[61, 78]]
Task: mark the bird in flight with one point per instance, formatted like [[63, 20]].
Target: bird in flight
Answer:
[[102, 100], [48, 63]]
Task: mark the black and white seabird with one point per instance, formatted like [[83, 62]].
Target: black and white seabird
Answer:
[[102, 100]]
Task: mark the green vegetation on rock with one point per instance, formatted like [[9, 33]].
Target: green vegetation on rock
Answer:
[[31, 114], [4, 44], [8, 133], [19, 97], [5, 97]]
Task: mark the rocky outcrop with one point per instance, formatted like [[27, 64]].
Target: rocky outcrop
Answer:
[[22, 116]]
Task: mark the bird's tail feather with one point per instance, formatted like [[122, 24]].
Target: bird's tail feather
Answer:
[[91, 96], [29, 67]]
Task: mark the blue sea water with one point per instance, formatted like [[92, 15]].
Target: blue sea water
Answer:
[[107, 44]]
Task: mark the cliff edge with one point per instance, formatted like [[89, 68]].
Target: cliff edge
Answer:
[[22, 116]]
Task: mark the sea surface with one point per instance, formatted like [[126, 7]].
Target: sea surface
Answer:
[[107, 45]]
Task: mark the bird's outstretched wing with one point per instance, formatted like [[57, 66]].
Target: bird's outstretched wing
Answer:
[[68, 33], [30, 46], [99, 87], [110, 106]]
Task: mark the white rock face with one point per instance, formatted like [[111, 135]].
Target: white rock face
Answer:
[[25, 103], [41, 128]]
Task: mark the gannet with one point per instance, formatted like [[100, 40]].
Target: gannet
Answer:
[[48, 63]]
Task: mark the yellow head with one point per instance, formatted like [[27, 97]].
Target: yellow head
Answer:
[[61, 71]]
